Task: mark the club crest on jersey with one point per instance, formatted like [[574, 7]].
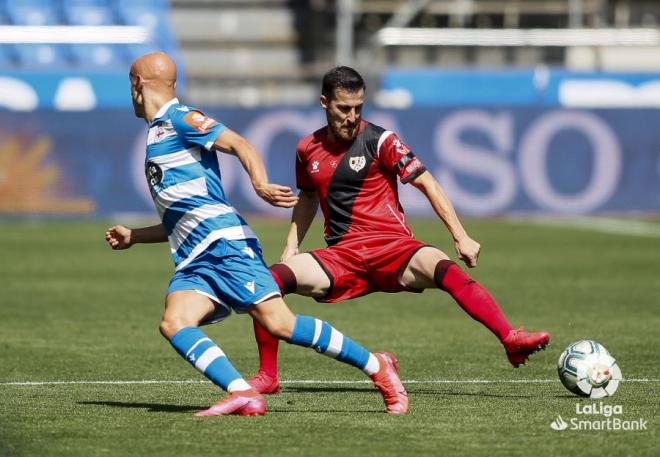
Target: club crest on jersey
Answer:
[[357, 163]]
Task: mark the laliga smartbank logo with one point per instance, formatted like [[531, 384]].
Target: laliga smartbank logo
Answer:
[[599, 417]]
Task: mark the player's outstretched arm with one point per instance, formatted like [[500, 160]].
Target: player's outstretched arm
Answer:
[[301, 219], [466, 248], [231, 142], [120, 237]]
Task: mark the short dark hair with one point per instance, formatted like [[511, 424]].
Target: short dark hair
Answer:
[[341, 77]]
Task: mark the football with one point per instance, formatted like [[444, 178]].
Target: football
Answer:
[[587, 369]]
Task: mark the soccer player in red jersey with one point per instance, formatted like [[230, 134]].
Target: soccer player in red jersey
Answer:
[[350, 166]]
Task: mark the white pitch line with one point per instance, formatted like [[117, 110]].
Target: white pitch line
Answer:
[[305, 381]]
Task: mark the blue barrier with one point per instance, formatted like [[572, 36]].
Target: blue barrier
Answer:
[[490, 161], [541, 86], [66, 90]]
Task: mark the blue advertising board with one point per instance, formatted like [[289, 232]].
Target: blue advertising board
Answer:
[[489, 160], [540, 86]]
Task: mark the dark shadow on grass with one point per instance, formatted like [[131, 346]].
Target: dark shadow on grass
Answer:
[[151, 407], [467, 394], [325, 411], [160, 408], [290, 389]]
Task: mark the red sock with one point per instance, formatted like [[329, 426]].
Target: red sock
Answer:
[[284, 277], [267, 346], [472, 297]]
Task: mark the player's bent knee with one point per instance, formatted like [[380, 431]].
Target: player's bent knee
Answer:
[[170, 325], [420, 271], [279, 330]]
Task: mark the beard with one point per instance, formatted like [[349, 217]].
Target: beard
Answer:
[[347, 133]]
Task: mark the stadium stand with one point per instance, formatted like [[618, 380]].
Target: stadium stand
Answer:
[[153, 15], [266, 47], [272, 52], [31, 12], [102, 57], [34, 13], [241, 52]]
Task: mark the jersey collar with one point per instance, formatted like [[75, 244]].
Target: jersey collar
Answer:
[[163, 109]]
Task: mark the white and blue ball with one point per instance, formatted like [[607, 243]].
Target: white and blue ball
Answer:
[[587, 369]]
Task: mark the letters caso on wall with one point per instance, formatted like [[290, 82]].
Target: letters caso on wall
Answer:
[[490, 160]]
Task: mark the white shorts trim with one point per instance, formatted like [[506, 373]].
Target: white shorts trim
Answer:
[[219, 315]]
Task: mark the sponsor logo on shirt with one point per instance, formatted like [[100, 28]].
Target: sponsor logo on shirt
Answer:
[[415, 164], [154, 174], [199, 122], [315, 167]]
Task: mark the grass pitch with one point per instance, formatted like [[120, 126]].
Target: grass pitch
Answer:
[[73, 310]]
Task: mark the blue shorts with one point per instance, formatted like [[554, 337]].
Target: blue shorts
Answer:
[[232, 273]]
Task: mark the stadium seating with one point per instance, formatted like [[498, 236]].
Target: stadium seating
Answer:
[[6, 56], [42, 56], [91, 13], [87, 12], [32, 12], [152, 14]]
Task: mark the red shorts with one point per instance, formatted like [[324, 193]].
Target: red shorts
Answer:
[[360, 267]]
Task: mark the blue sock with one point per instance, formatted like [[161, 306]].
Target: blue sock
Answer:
[[311, 332], [196, 347]]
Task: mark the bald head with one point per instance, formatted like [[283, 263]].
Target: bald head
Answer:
[[156, 67], [153, 81]]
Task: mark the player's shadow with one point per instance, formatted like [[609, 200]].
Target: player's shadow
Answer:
[[326, 411], [467, 394], [151, 407], [160, 408], [291, 389]]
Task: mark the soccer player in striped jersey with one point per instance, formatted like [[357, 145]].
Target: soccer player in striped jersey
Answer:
[[351, 168], [217, 257]]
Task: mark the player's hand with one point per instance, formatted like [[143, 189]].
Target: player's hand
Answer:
[[468, 251], [277, 195], [119, 237], [288, 253]]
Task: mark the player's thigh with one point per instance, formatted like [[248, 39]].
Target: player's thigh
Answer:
[[419, 272], [311, 280], [275, 316], [185, 308]]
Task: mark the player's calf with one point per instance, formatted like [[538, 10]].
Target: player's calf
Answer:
[[472, 297]]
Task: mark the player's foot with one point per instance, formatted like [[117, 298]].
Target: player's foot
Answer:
[[519, 345], [388, 383], [241, 403], [265, 384]]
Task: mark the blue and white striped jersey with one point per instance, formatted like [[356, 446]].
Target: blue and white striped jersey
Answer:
[[185, 182]]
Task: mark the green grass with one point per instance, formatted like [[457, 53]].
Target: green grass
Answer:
[[72, 309]]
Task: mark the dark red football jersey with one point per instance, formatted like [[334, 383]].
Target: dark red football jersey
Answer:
[[356, 182]]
